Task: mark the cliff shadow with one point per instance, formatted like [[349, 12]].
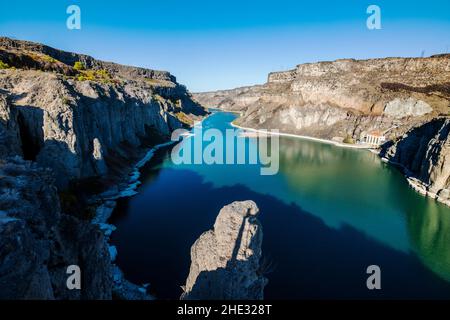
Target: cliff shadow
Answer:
[[30, 121]]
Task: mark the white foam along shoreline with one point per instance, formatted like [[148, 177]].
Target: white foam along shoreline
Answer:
[[339, 144], [110, 197]]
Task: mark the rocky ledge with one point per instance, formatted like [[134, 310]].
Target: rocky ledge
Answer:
[[225, 261]]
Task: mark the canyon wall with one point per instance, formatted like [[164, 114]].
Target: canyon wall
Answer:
[[80, 127], [68, 121], [361, 96]]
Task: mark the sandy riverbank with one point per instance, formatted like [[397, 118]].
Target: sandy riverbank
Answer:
[[336, 143]]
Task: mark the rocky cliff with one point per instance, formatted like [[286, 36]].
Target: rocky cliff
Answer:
[[423, 153], [81, 121], [225, 261], [405, 99], [38, 242], [344, 98], [68, 121]]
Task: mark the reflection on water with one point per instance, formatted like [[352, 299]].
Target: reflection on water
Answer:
[[326, 215], [338, 174], [430, 236]]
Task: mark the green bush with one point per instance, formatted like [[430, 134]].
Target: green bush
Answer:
[[79, 66], [49, 59], [3, 65], [65, 101], [94, 75]]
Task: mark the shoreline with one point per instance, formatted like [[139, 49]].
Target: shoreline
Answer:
[[292, 135], [133, 182], [414, 183], [106, 203]]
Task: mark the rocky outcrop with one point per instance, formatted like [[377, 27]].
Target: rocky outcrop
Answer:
[[399, 108], [80, 127], [38, 242], [424, 155], [226, 260]]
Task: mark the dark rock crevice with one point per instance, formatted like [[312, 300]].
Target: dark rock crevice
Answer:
[[30, 122]]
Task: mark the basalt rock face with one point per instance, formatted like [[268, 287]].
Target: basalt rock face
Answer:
[[225, 261], [344, 97], [79, 125], [38, 242], [61, 124], [424, 155]]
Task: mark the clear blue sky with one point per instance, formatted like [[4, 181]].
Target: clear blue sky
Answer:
[[219, 44]]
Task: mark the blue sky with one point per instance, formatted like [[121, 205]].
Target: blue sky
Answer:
[[219, 44]]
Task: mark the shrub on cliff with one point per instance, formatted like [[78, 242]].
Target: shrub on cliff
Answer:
[[95, 75], [3, 65], [184, 118], [47, 58], [79, 66]]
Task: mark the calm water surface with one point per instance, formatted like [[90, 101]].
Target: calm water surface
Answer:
[[328, 214]]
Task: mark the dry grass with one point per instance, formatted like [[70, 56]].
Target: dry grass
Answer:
[[184, 118], [159, 83]]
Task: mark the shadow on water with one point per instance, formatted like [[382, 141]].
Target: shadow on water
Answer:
[[157, 227]]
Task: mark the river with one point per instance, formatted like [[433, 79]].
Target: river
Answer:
[[328, 214]]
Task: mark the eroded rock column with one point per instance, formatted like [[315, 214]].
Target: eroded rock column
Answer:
[[225, 261]]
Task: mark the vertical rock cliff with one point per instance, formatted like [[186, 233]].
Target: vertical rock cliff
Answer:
[[226, 260], [424, 155], [82, 121], [68, 121]]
